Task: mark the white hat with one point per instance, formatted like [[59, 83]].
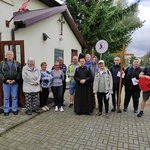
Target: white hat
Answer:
[[101, 61]]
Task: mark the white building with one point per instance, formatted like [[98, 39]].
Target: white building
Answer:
[[45, 31]]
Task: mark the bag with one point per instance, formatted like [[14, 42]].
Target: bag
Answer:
[[144, 84]]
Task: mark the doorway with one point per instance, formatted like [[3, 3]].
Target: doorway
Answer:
[[18, 48]]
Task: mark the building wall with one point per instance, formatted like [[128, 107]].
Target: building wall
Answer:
[[7, 8], [32, 36], [44, 50]]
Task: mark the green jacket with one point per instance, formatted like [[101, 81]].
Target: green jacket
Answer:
[[7, 73], [71, 71]]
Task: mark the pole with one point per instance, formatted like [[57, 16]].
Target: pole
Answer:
[[100, 56], [120, 79]]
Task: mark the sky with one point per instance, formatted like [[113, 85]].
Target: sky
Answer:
[[140, 42]]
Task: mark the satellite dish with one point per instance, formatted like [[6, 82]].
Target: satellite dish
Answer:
[[101, 46]]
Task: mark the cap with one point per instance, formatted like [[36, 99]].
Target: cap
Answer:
[[101, 61]]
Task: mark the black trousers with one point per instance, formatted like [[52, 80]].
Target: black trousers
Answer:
[[101, 97], [44, 97], [64, 87], [57, 92], [135, 96], [115, 97]]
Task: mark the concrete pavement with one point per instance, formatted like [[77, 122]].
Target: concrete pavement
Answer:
[[67, 131]]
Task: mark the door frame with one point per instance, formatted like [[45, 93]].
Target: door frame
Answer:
[[21, 99]]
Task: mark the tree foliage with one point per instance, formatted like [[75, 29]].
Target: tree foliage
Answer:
[[105, 19], [146, 59]]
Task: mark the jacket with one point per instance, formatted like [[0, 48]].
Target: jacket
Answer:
[[71, 70], [130, 73], [114, 71], [29, 77], [107, 79], [7, 73]]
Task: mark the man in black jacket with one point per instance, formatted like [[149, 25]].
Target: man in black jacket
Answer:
[[10, 74], [115, 69], [131, 85]]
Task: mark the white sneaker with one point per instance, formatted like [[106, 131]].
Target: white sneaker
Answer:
[[47, 108], [44, 109], [61, 109], [56, 108]]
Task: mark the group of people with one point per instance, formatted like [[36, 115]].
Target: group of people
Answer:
[[91, 79], [88, 79], [36, 84]]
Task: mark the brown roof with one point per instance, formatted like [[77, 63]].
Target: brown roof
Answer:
[[23, 20]]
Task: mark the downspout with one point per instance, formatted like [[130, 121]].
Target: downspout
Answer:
[[13, 33]]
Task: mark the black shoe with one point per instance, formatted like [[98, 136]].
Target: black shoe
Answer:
[[6, 113], [36, 111], [140, 114], [113, 110], [28, 112], [99, 113], [135, 110], [15, 112], [71, 105], [125, 109]]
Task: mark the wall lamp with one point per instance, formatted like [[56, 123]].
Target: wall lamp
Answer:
[[45, 37]]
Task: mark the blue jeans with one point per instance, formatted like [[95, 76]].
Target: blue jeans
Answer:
[[10, 89], [72, 87]]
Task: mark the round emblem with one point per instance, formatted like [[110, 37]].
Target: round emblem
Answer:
[[101, 46]]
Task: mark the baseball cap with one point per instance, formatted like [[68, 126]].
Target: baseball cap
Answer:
[[101, 61]]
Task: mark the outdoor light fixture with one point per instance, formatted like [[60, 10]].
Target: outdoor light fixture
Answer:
[[45, 37], [60, 39]]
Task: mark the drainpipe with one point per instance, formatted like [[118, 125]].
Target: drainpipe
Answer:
[[13, 34]]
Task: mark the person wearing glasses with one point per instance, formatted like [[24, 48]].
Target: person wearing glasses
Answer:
[[57, 86]]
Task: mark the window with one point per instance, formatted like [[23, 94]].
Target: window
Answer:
[[58, 53], [74, 53]]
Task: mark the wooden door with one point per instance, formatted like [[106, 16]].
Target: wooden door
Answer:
[[18, 48], [74, 53]]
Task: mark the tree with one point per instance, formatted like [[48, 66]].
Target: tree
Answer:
[[146, 59], [105, 19]]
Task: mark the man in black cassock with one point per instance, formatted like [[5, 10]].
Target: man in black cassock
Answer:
[[83, 103]]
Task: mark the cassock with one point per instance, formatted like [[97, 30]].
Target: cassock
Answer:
[[83, 103]]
